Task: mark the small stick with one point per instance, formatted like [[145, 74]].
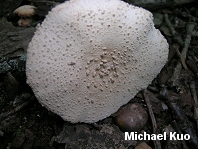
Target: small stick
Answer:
[[185, 125], [173, 80], [156, 142], [192, 64], [182, 60], [173, 32], [15, 110], [194, 95], [45, 1], [195, 33], [189, 29], [180, 132]]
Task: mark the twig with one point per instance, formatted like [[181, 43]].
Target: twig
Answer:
[[158, 4], [15, 110], [189, 28], [192, 63], [174, 80], [44, 1], [171, 99], [175, 77], [156, 142], [182, 60], [179, 131], [175, 35], [195, 33], [194, 95], [185, 14]]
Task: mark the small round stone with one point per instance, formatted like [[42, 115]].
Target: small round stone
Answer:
[[131, 117]]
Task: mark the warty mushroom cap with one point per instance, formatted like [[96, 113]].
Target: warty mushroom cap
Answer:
[[88, 58]]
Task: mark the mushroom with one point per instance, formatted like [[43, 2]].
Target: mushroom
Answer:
[[88, 58], [24, 22], [25, 12]]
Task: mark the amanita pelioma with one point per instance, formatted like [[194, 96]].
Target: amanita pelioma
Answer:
[[89, 57]]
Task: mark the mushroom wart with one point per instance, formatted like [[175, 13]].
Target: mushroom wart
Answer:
[[88, 58]]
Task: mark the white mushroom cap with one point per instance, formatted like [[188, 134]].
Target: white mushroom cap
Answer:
[[24, 22], [25, 11], [88, 58]]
